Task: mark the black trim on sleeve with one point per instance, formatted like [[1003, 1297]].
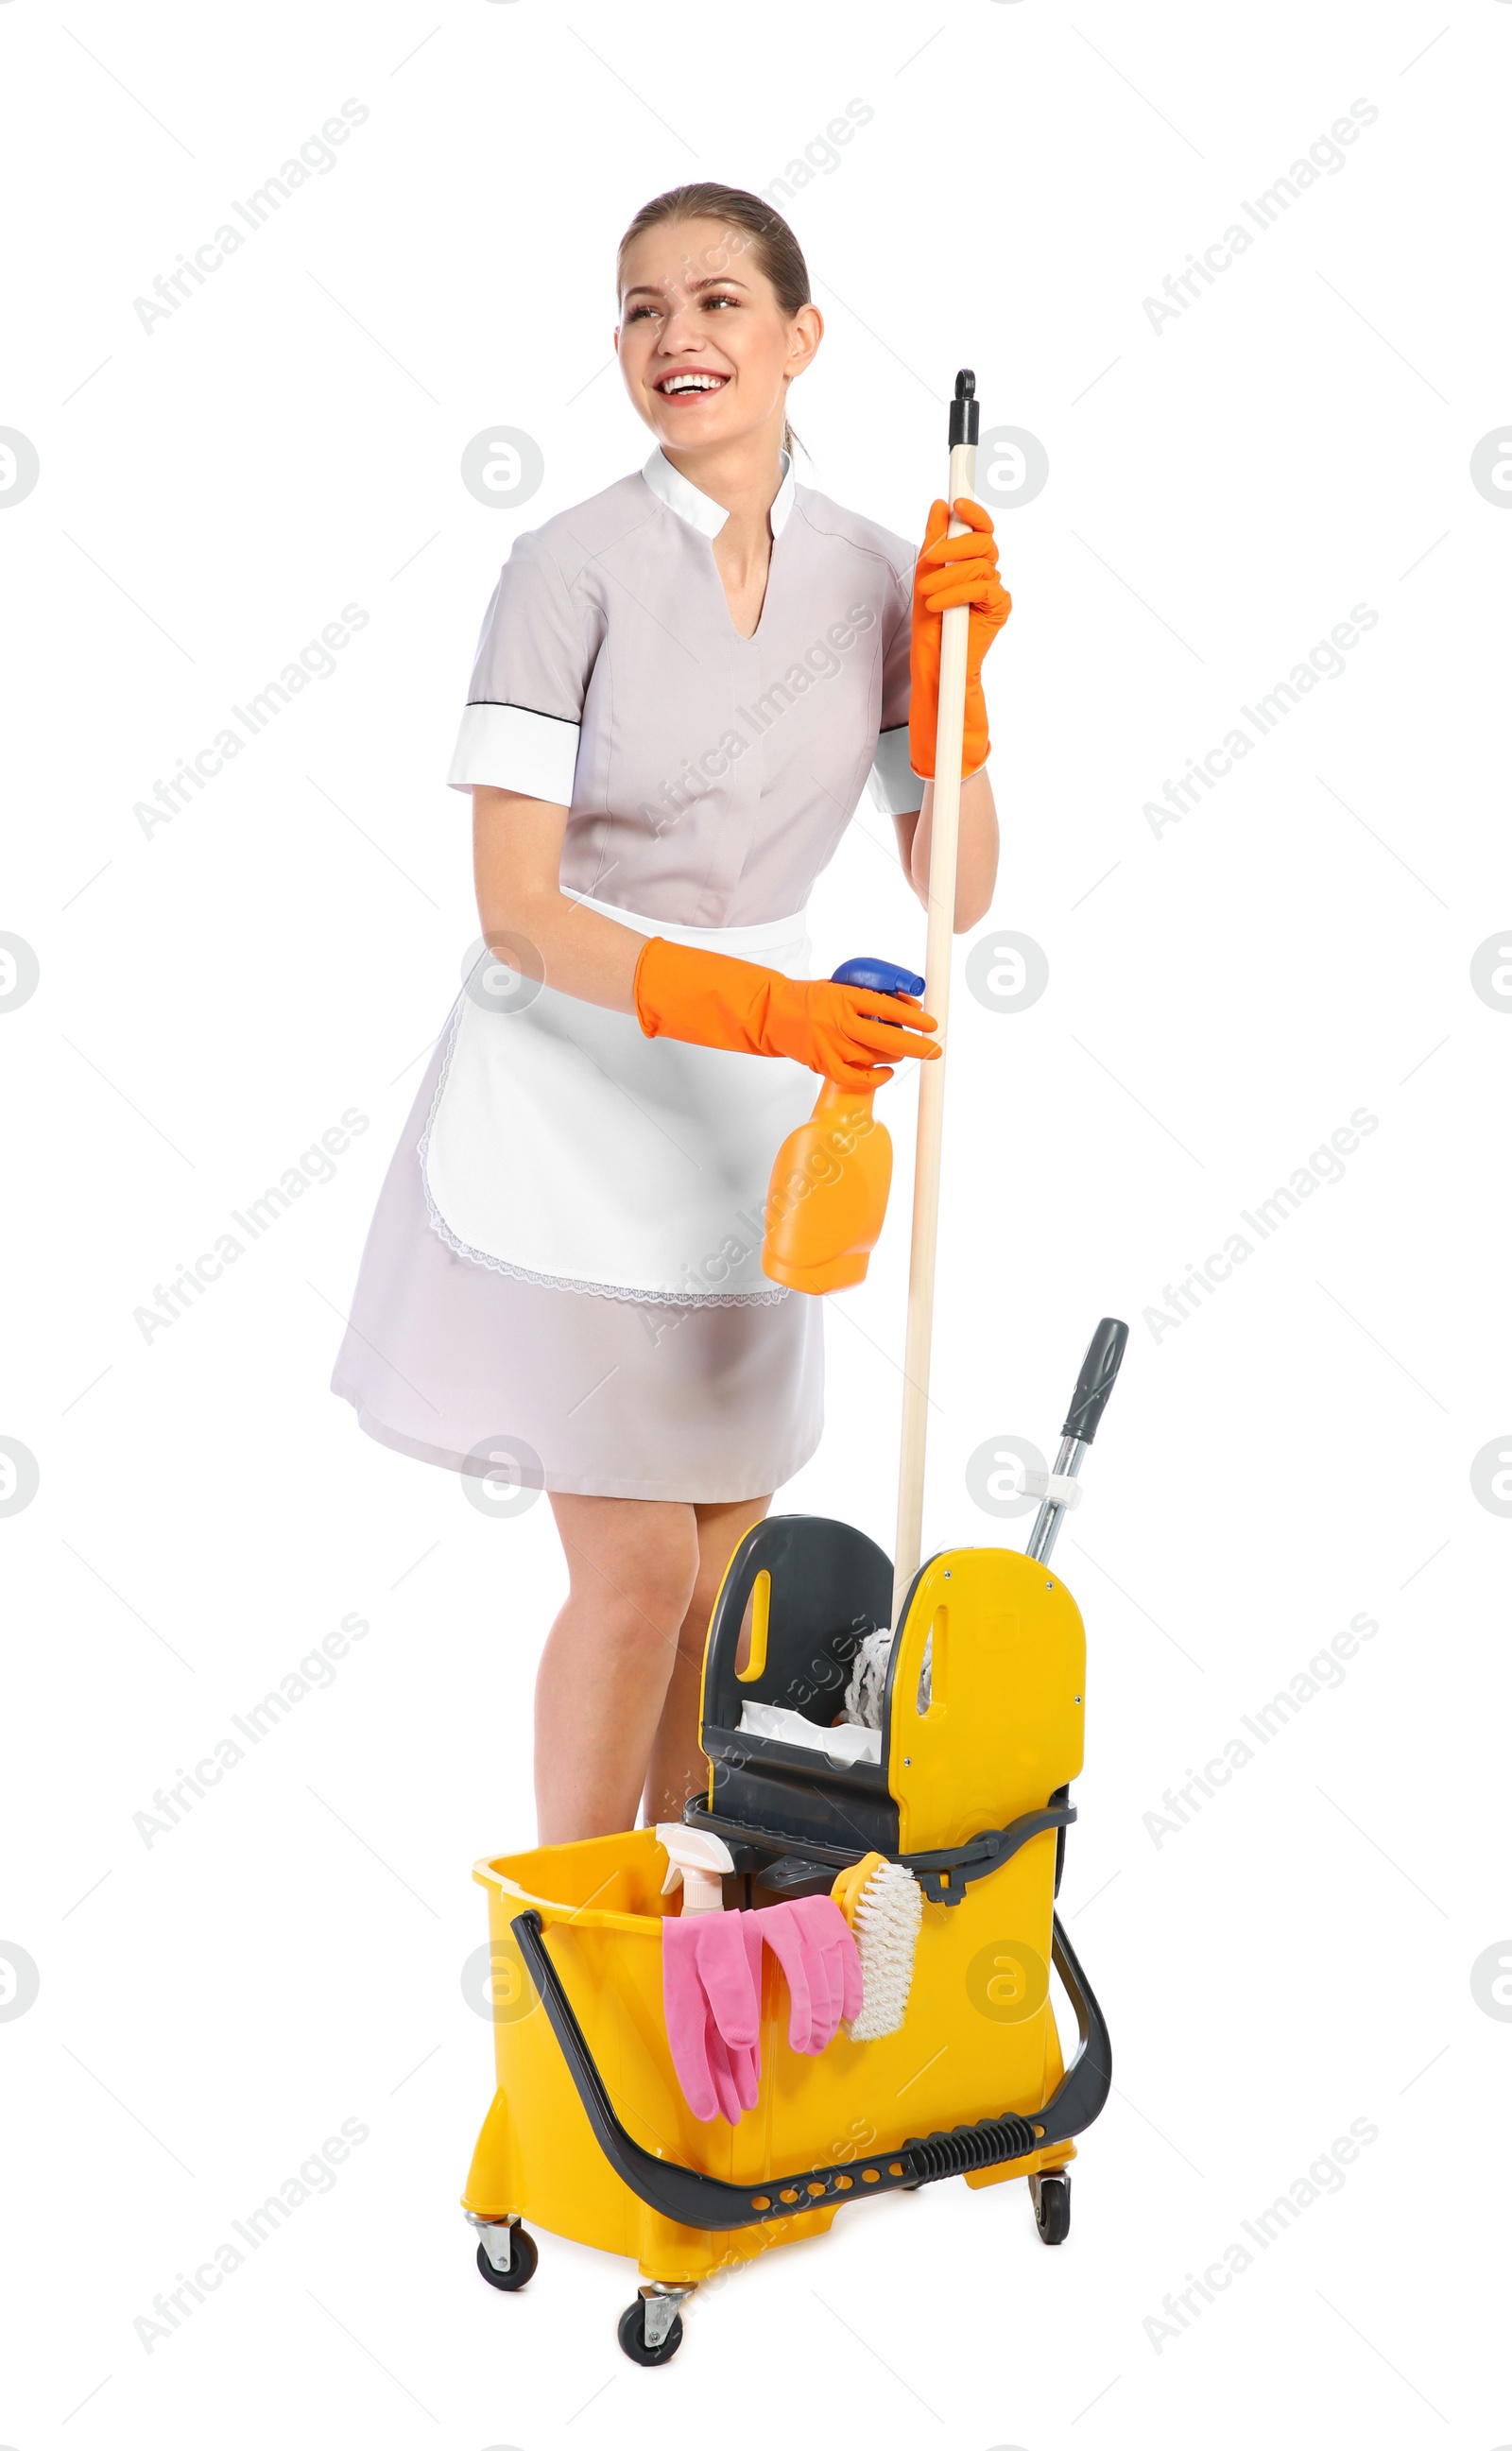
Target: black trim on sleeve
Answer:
[[573, 722]]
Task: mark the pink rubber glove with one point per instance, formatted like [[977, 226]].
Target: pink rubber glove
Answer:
[[814, 1946], [711, 1967]]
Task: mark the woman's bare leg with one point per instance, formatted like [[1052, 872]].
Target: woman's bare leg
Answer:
[[679, 1766], [633, 1565]]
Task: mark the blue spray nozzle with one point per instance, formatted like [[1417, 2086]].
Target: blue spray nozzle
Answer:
[[883, 978]]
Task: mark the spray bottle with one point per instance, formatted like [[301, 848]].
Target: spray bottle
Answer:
[[829, 1191], [699, 1860]]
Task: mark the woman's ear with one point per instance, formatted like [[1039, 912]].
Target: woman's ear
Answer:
[[808, 330]]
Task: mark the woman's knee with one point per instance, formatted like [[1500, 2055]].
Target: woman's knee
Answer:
[[640, 1554], [666, 1584]]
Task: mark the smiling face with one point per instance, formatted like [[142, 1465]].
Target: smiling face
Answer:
[[705, 349]]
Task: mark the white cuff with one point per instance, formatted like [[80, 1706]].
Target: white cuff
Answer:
[[896, 789], [517, 750]]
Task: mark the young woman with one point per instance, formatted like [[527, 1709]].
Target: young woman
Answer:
[[681, 688]]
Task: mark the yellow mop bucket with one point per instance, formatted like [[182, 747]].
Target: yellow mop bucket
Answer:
[[589, 2135]]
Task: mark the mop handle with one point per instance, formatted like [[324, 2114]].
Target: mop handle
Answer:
[[1099, 1368], [964, 416]]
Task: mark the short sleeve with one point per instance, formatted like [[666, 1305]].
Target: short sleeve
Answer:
[[896, 789], [521, 723]]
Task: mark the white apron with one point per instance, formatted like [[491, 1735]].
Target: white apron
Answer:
[[567, 1147]]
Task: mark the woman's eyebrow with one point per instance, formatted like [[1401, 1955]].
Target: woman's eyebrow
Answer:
[[709, 280]]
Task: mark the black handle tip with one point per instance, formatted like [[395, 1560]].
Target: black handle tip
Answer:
[[1100, 1369], [965, 409]]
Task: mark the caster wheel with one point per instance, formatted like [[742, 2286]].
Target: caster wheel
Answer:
[[1051, 2199], [524, 2256], [632, 2337]]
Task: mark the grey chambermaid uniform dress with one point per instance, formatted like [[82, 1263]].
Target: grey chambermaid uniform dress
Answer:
[[562, 1280]]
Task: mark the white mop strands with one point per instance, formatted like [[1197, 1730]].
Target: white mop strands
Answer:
[[868, 1679], [881, 1901]]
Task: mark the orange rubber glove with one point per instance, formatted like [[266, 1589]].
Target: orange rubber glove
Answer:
[[852, 1035], [953, 570]]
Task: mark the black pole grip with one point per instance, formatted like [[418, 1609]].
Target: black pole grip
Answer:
[[965, 409], [1098, 1370]]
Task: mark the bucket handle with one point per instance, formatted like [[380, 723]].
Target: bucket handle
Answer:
[[943, 1873], [700, 2201]]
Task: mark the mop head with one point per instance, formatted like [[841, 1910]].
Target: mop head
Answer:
[[868, 1679], [884, 1907]]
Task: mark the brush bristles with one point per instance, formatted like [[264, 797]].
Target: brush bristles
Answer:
[[886, 1922]]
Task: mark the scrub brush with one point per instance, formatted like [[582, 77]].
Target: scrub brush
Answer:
[[883, 1906]]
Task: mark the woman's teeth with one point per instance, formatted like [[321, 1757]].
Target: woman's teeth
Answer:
[[675, 384]]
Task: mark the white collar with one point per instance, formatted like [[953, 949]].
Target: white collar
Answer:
[[700, 510]]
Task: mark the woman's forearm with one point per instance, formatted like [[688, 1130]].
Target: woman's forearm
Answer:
[[516, 862], [975, 850]]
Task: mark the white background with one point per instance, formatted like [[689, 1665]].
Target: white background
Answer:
[[1221, 998]]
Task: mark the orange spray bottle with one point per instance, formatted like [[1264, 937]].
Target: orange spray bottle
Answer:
[[829, 1191]]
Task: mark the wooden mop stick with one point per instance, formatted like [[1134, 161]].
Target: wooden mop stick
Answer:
[[957, 621]]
